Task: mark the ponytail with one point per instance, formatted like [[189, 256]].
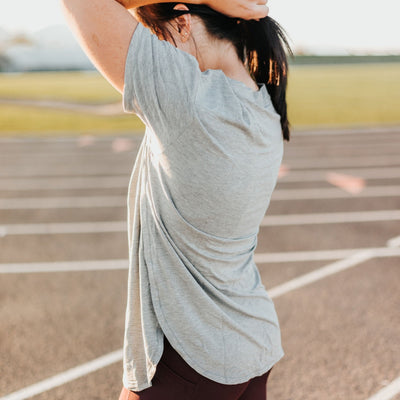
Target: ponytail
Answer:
[[265, 43], [259, 44]]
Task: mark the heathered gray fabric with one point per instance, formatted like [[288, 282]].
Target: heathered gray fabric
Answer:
[[200, 187]]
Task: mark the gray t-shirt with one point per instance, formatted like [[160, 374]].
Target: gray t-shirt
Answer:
[[199, 190]]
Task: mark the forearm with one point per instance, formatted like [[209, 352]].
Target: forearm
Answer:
[[128, 4], [246, 9]]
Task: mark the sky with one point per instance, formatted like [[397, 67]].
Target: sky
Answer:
[[318, 26]]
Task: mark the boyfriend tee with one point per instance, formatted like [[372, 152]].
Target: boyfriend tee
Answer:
[[200, 187]]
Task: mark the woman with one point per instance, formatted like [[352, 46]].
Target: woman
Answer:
[[209, 83]]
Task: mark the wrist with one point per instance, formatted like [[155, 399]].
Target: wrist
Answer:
[[129, 4], [123, 3]]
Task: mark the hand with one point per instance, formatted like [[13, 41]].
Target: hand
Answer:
[[245, 9]]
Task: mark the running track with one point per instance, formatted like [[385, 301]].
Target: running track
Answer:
[[328, 252]]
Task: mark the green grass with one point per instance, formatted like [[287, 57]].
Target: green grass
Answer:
[[318, 96], [27, 120], [344, 95], [299, 59], [79, 87]]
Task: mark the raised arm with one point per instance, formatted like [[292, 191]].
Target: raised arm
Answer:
[[246, 9], [104, 28]]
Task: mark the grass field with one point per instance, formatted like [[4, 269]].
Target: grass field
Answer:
[[42, 120], [319, 95], [78, 87], [344, 95]]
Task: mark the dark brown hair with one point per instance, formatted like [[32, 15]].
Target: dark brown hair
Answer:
[[260, 45]]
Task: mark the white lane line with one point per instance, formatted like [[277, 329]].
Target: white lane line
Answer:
[[334, 193], [349, 131], [388, 392], [28, 203], [19, 171], [304, 150], [395, 242], [303, 155], [305, 175], [346, 144], [62, 228], [121, 180], [344, 162], [333, 268], [100, 146], [294, 176], [331, 218], [94, 182], [321, 273], [321, 255], [278, 194], [77, 155], [259, 258], [295, 163], [64, 266], [320, 175], [62, 202], [303, 132], [54, 140], [269, 220], [92, 366], [66, 376]]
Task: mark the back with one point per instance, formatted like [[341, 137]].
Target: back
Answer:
[[217, 143], [201, 184], [225, 165]]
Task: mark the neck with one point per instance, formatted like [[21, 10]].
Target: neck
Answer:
[[215, 54], [221, 55]]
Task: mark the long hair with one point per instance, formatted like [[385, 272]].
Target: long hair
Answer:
[[260, 45]]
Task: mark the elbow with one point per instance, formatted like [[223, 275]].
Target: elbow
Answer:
[[67, 4]]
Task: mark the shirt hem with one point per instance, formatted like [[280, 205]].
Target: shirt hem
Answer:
[[223, 379], [206, 374]]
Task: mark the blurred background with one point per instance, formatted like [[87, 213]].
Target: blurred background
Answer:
[[346, 69], [66, 154]]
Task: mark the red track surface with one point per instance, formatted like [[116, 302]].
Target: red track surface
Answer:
[[340, 333]]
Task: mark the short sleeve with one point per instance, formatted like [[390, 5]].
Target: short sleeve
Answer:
[[160, 83]]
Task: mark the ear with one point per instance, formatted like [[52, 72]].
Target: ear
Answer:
[[183, 23]]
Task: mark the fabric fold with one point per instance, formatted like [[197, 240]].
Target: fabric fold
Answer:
[[200, 187]]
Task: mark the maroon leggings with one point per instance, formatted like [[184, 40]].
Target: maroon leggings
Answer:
[[176, 380]]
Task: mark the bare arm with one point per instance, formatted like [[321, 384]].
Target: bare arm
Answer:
[[246, 9], [104, 28], [139, 3]]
